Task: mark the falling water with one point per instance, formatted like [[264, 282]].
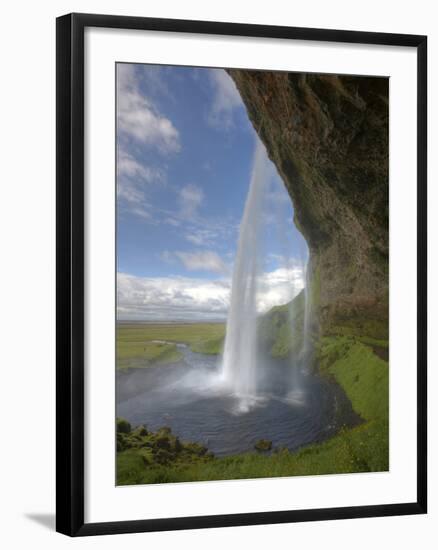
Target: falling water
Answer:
[[240, 355], [306, 341], [294, 381]]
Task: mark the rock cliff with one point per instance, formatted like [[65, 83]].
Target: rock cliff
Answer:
[[328, 137]]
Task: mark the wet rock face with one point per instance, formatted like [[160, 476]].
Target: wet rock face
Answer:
[[328, 137]]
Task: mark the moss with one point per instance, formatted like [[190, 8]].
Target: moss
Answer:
[[263, 445], [140, 453], [364, 377], [372, 331], [140, 431], [123, 426]]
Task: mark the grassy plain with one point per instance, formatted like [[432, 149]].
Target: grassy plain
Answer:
[[144, 344]]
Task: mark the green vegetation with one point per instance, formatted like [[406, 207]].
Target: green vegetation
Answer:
[[352, 354], [281, 328], [367, 330], [143, 345], [364, 378], [145, 354], [140, 452], [123, 426], [263, 445], [213, 346]]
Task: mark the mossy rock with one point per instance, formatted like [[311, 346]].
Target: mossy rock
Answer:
[[328, 138], [162, 456], [123, 426], [120, 446], [147, 455], [163, 442], [140, 431], [263, 445], [177, 445], [195, 449]]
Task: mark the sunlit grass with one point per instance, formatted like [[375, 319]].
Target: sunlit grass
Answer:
[[143, 345]]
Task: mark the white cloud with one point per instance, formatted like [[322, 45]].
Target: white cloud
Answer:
[[138, 118], [201, 236], [183, 298], [279, 286], [190, 197], [129, 191], [171, 220], [132, 177], [226, 99], [195, 238], [129, 168], [205, 260], [170, 298]]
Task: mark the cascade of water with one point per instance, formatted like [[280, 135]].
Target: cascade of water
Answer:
[[240, 356], [306, 335], [294, 381]]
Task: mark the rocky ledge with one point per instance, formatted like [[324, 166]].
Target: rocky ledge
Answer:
[[328, 137]]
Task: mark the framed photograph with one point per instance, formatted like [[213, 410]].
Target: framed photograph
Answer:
[[241, 274]]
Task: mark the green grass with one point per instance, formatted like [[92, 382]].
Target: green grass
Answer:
[[213, 346], [280, 330], [364, 377], [145, 354], [364, 448], [144, 345]]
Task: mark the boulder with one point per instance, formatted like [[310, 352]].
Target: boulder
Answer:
[[263, 445]]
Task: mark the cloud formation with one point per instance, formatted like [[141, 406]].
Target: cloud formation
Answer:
[[184, 298], [190, 198], [170, 298], [205, 260], [132, 179], [201, 236], [138, 118]]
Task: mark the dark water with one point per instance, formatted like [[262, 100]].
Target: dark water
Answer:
[[294, 409]]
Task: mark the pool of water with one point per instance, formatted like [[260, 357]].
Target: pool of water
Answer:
[[292, 408]]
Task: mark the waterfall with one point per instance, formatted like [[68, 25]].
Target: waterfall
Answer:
[[240, 353], [306, 317]]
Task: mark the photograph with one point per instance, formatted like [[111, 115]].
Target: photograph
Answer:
[[216, 227], [252, 274]]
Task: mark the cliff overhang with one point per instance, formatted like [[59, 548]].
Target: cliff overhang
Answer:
[[328, 137]]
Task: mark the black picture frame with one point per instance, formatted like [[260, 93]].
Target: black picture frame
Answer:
[[70, 273]]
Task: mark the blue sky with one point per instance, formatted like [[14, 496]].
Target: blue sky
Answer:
[[184, 158]]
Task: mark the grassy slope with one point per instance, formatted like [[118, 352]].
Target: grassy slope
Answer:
[[137, 346], [281, 328], [364, 377]]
